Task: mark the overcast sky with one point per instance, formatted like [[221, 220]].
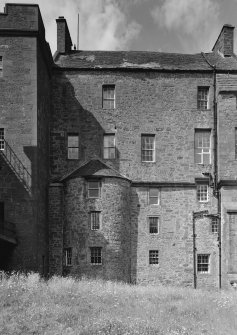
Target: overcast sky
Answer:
[[186, 26]]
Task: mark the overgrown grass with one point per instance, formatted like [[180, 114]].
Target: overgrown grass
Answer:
[[30, 305]]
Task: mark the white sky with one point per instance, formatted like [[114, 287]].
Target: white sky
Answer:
[[186, 26]]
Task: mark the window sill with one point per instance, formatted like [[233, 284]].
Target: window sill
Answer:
[[203, 110], [201, 164], [204, 273], [148, 162], [92, 264]]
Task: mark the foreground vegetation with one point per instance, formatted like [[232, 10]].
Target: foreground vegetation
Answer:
[[30, 305]]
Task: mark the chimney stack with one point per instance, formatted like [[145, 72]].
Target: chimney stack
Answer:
[[64, 42], [225, 41]]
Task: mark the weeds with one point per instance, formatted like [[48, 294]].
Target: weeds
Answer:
[[31, 305]]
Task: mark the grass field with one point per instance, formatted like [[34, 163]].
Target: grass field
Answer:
[[29, 305]]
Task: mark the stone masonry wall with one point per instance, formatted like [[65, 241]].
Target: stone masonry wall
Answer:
[[227, 123], [20, 17], [24, 110], [162, 104], [56, 219], [18, 112], [19, 210], [42, 176], [229, 234], [113, 236], [174, 241]]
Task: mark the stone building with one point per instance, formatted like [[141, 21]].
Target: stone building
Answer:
[[116, 164]]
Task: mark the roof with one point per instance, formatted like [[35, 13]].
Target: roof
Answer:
[[93, 168], [143, 60]]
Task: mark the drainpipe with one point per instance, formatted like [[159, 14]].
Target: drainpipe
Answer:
[[194, 254], [216, 190]]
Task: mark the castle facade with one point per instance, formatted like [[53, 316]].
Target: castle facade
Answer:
[[120, 165]]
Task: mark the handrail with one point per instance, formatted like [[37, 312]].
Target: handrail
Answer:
[[16, 164]]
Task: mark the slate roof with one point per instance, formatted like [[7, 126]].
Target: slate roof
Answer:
[[143, 60], [93, 168]]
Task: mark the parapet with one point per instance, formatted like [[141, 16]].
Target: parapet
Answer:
[[21, 18]]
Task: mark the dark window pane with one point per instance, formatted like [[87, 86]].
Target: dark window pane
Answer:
[[153, 225], [93, 193], [96, 255], [93, 184], [153, 257]]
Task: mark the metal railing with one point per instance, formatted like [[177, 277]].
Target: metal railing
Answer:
[[16, 165], [8, 229]]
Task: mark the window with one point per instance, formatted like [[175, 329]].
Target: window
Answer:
[[153, 225], [203, 263], [153, 257], [1, 67], [148, 148], [202, 146], [153, 196], [202, 193], [2, 144], [108, 96], [202, 98], [214, 225], [109, 146], [96, 255], [72, 146], [93, 189], [68, 256], [95, 220]]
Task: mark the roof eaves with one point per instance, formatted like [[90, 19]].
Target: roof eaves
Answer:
[[119, 175], [100, 68], [113, 169]]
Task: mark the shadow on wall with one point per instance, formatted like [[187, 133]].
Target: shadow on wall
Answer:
[[16, 217], [31, 153], [69, 116], [119, 260]]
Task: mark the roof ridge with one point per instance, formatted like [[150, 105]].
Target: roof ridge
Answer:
[[133, 51]]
